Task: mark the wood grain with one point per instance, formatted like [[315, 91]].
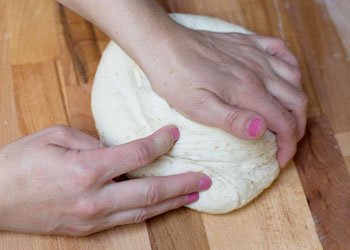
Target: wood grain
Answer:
[[48, 58], [180, 229], [38, 96], [29, 22], [338, 11], [79, 55], [81, 41], [102, 38], [76, 67], [130, 237], [8, 116], [326, 183], [343, 140], [347, 161], [326, 60], [275, 220]]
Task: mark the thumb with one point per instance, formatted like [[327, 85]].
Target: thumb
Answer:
[[117, 160]]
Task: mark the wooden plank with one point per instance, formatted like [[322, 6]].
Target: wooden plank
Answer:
[[278, 219], [326, 182], [81, 41], [77, 100], [326, 60], [38, 96], [33, 35], [34, 92], [347, 161], [289, 226], [343, 140], [283, 27], [76, 66], [129, 237], [8, 114], [102, 39], [9, 128], [179, 229], [324, 69], [339, 11]]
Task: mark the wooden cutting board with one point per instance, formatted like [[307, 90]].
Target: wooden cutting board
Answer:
[[48, 57]]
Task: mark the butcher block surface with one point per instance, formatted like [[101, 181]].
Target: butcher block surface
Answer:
[[48, 57]]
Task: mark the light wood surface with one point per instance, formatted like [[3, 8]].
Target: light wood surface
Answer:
[[48, 57]]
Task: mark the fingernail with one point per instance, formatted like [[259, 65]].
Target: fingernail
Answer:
[[192, 197], [254, 127], [204, 183], [175, 133]]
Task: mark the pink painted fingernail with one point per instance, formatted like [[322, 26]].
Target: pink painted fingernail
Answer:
[[192, 197], [254, 127], [204, 183], [175, 133]]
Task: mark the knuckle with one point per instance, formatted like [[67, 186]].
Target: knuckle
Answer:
[[296, 75], [140, 216], [231, 119], [291, 125], [142, 154], [152, 195], [303, 99], [251, 82], [61, 131], [83, 176], [201, 102], [189, 187], [87, 209], [280, 43]]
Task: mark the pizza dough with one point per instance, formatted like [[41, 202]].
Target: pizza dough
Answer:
[[125, 108]]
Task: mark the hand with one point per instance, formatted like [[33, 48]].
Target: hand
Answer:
[[59, 181], [236, 82]]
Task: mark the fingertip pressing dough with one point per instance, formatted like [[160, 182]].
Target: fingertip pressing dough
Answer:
[[125, 108]]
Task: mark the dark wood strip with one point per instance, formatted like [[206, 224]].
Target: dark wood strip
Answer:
[[326, 182], [180, 229], [326, 59], [76, 66], [82, 43]]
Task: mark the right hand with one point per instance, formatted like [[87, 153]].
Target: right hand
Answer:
[[240, 83], [59, 181]]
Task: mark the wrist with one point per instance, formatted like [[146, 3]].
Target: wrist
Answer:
[[160, 45]]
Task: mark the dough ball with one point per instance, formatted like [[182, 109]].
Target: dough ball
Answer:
[[125, 108]]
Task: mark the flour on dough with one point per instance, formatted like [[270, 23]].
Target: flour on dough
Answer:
[[125, 108]]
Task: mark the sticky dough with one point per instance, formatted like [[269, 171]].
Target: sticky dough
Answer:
[[125, 108]]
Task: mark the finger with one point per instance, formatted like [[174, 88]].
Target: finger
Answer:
[[150, 191], [280, 121], [240, 122], [278, 48], [138, 215], [291, 98], [70, 138], [114, 161], [286, 71]]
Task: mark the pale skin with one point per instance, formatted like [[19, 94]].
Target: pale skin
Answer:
[[243, 84]]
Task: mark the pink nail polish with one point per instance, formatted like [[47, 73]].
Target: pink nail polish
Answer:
[[175, 133], [254, 127], [204, 183], [192, 197]]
